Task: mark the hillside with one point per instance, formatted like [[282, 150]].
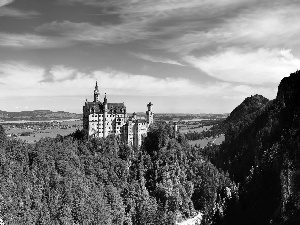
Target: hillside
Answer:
[[246, 112], [262, 153], [247, 108]]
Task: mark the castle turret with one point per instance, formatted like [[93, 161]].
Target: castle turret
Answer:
[[134, 116], [105, 100], [149, 113], [96, 93]]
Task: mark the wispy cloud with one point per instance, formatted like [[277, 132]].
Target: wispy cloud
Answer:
[[5, 2], [141, 20], [185, 26], [11, 12], [147, 6], [259, 67], [253, 26], [156, 59], [31, 41], [109, 34]]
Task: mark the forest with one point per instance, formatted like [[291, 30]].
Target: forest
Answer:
[[252, 178], [72, 180]]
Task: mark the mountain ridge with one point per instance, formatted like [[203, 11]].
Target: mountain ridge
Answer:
[[262, 153]]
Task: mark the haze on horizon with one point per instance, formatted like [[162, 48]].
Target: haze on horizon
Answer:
[[195, 56]]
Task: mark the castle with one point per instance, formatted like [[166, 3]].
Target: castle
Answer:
[[102, 118]]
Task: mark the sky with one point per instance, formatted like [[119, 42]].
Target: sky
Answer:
[[185, 56]]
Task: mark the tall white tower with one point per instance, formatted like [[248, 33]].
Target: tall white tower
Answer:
[[149, 113]]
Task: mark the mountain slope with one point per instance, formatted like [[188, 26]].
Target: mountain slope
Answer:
[[249, 106], [262, 153]]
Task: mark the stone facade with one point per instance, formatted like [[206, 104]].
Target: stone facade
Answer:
[[101, 119]]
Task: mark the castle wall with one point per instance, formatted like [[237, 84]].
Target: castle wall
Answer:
[[85, 119], [96, 123], [127, 133], [139, 133]]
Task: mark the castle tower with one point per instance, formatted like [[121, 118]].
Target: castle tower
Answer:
[[96, 93], [134, 116], [149, 113], [105, 130]]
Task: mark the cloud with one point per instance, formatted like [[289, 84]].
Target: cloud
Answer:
[[121, 83], [156, 59], [31, 41], [18, 78], [259, 67], [109, 34], [61, 73], [147, 6], [11, 12], [5, 2], [183, 27], [254, 26], [262, 27], [140, 20]]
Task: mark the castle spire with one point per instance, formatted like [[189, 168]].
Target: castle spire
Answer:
[[105, 99], [96, 93]]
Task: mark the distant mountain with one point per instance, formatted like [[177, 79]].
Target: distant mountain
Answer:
[[37, 115], [262, 153]]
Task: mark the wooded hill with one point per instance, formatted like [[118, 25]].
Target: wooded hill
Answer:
[[262, 154]]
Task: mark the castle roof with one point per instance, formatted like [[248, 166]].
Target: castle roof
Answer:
[[135, 121], [98, 107], [141, 121], [116, 107]]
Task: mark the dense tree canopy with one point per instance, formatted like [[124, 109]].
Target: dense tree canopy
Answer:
[[71, 180]]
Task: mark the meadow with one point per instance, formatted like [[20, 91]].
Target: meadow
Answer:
[[193, 128], [206, 141], [38, 132]]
